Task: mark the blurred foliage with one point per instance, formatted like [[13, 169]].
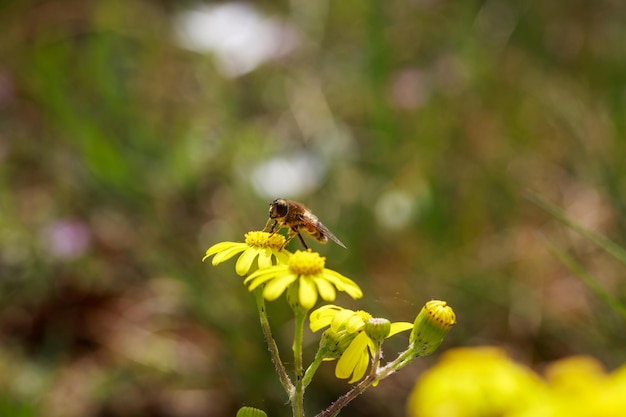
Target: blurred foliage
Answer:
[[124, 156]]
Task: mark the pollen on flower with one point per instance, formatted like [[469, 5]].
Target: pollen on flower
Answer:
[[306, 263], [265, 240]]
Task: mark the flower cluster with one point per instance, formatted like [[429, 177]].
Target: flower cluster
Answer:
[[472, 382], [277, 270], [352, 337]]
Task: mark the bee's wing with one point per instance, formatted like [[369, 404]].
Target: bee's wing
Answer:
[[313, 220], [330, 235], [311, 223]]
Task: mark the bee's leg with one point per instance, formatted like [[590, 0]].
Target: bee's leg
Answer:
[[290, 236], [300, 237], [267, 225], [273, 229]]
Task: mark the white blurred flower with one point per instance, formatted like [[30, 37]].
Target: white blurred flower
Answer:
[[396, 208], [287, 176], [239, 36]]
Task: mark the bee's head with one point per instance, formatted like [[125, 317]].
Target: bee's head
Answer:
[[278, 208]]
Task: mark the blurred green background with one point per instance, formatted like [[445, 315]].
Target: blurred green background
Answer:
[[134, 135]]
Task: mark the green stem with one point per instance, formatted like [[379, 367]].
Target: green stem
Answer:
[[310, 372], [271, 344], [298, 401], [357, 390], [345, 399], [400, 362]]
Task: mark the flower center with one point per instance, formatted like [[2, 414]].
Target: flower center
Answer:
[[265, 240], [306, 263]]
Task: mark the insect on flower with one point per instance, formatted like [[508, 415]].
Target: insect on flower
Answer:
[[296, 217]]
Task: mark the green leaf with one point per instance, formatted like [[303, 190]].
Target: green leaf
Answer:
[[250, 412]]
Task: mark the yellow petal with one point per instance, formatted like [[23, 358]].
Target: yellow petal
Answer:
[[228, 253], [245, 261], [258, 280], [219, 247], [360, 368], [355, 358], [325, 289], [355, 323], [343, 283], [400, 326], [354, 291], [322, 316], [335, 277], [340, 319], [265, 258], [266, 274], [274, 288], [307, 293]]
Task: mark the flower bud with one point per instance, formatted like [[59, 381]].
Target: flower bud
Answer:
[[430, 327], [377, 329]]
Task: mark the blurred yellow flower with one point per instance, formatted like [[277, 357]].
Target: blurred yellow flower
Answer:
[[475, 382], [350, 325], [304, 269], [263, 247], [580, 387]]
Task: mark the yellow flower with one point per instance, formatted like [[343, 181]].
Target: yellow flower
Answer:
[[580, 387], [348, 324], [484, 381], [575, 376], [475, 382], [306, 270], [261, 246]]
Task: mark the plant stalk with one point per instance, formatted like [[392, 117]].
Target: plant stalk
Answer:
[[297, 403], [271, 344]]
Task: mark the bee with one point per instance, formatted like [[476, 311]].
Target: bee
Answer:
[[296, 217]]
